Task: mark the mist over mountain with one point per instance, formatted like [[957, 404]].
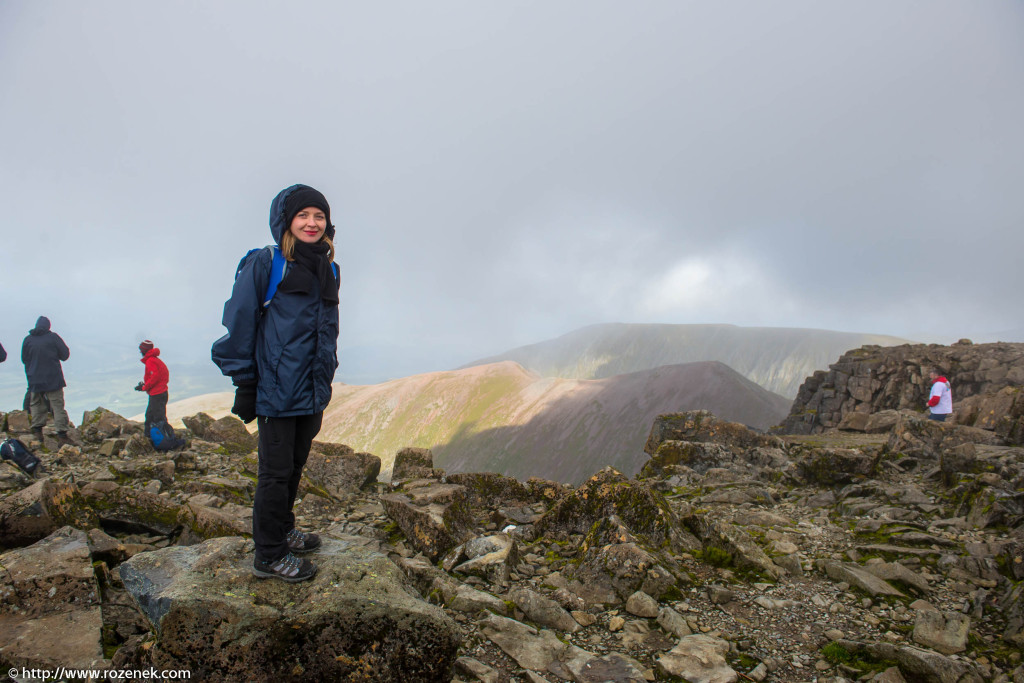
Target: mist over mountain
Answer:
[[503, 418], [777, 358]]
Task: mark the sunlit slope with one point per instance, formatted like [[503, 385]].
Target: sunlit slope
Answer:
[[588, 424], [777, 358]]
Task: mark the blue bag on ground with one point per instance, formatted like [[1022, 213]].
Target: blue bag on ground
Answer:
[[163, 438], [20, 455]]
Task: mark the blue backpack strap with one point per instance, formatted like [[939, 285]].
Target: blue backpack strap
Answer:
[[278, 267], [277, 270]]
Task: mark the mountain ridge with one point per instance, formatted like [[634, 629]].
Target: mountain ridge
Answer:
[[777, 358]]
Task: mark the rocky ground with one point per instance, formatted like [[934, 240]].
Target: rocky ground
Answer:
[[890, 553]]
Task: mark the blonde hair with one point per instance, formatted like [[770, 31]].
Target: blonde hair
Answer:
[[288, 246]]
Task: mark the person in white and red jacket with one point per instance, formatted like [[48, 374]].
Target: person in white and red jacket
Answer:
[[940, 399], [154, 383]]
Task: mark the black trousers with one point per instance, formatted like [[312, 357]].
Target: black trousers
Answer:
[[156, 410], [283, 448]]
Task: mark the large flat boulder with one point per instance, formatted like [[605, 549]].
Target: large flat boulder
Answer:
[[50, 604], [357, 619]]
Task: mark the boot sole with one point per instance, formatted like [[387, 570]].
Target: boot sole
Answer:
[[289, 579]]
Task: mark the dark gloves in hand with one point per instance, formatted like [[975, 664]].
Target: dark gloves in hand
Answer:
[[138, 387], [245, 402]]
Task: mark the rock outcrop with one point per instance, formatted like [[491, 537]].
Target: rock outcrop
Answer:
[[987, 381], [50, 613]]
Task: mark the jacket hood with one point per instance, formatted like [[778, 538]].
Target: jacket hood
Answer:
[[277, 215], [942, 379], [152, 353], [42, 326]]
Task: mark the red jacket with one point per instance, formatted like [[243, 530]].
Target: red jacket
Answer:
[[155, 380]]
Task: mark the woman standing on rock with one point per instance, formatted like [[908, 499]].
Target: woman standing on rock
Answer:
[[281, 353]]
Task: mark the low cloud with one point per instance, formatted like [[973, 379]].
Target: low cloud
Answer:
[[719, 287]]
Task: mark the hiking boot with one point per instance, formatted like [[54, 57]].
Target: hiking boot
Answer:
[[301, 542], [289, 568], [38, 433], [63, 440]]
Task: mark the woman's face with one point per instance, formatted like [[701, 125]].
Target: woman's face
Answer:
[[308, 225]]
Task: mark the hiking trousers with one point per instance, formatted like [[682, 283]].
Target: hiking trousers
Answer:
[[40, 411], [284, 444], [156, 410]]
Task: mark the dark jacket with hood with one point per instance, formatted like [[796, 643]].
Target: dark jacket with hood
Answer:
[[42, 353], [291, 347]]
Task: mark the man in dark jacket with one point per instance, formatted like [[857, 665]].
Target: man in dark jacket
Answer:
[[42, 353]]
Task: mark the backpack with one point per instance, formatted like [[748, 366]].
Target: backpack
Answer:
[[162, 436], [20, 455], [278, 267]]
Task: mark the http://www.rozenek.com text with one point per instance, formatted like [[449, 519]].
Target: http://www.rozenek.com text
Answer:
[[65, 674]]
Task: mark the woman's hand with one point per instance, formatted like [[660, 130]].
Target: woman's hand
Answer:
[[245, 402]]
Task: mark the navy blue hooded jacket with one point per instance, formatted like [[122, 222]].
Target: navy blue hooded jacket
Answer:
[[291, 347], [42, 353]]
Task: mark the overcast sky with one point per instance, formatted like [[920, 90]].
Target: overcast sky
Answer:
[[502, 173]]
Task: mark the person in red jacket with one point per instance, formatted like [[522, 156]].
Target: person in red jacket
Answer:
[[154, 383], [940, 398]]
